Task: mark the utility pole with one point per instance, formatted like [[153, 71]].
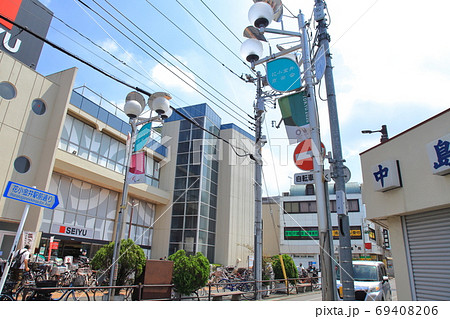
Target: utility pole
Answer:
[[345, 252], [325, 234], [259, 111]]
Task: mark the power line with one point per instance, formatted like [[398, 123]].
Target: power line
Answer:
[[220, 21], [165, 66], [57, 47], [198, 44], [209, 31], [178, 60]]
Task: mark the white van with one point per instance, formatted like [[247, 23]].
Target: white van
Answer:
[[371, 281]]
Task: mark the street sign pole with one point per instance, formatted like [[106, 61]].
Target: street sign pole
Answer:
[[14, 246], [28, 195], [325, 236], [345, 252]]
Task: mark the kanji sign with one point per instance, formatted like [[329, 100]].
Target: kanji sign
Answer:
[[439, 155], [30, 195], [386, 176], [303, 155]]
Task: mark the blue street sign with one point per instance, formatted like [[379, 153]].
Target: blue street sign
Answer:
[[30, 195], [283, 75]]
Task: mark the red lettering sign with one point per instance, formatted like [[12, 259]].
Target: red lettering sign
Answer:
[[62, 229], [9, 9]]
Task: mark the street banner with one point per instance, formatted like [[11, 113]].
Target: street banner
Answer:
[[294, 111], [143, 137], [136, 173]]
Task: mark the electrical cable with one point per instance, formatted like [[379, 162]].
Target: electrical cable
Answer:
[[198, 44], [137, 89], [220, 21], [165, 66], [173, 56], [215, 37], [110, 54]]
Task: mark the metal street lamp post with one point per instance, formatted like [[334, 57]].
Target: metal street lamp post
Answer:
[[134, 105]]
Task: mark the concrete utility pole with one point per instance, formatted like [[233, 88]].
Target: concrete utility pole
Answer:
[[259, 111], [345, 252], [325, 241]]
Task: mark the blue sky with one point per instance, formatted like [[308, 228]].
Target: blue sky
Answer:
[[390, 64]]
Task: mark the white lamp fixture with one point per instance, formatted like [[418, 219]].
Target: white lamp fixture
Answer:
[[159, 102], [134, 104], [251, 50], [260, 14]]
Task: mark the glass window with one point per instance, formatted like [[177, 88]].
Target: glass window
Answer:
[[183, 147], [178, 209], [22, 164], [192, 209], [190, 222], [67, 128], [38, 107], [7, 91], [181, 171]]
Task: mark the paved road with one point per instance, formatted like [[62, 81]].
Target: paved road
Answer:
[[317, 295]]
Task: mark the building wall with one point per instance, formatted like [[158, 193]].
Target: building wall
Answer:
[[24, 133], [236, 202], [271, 226], [421, 191]]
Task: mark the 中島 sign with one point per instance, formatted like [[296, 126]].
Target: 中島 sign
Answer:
[[439, 155], [386, 176]]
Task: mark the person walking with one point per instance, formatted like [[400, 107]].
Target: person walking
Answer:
[[18, 273]]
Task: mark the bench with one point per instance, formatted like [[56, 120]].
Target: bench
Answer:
[[235, 295], [303, 287]]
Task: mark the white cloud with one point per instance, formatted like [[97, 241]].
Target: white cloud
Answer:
[[171, 77]]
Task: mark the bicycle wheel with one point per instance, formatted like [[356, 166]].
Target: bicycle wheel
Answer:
[[225, 285], [77, 295], [249, 289], [6, 298]]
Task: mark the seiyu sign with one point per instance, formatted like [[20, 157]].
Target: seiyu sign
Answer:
[[13, 40], [72, 231]]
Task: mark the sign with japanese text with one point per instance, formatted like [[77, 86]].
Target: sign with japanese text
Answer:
[[295, 114], [439, 155], [30, 195], [312, 233], [283, 74], [386, 176]]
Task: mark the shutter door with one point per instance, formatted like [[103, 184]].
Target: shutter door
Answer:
[[429, 246]]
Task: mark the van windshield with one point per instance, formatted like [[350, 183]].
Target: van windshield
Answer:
[[362, 273]]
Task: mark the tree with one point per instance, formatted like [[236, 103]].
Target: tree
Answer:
[[131, 261], [289, 265], [190, 273]]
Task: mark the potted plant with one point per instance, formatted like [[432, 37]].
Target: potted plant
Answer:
[[190, 273], [130, 264], [289, 266]]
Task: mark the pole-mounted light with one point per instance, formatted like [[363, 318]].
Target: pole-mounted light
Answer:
[[383, 131], [260, 14]]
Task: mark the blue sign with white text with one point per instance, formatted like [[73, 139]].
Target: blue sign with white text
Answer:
[[30, 195], [283, 75]]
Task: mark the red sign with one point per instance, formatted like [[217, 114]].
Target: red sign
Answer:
[[54, 245], [9, 9], [368, 245], [303, 155]]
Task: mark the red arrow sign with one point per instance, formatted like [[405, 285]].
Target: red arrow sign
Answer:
[[303, 155]]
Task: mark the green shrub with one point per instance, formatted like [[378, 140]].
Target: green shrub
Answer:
[[190, 273], [289, 265], [131, 261]]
